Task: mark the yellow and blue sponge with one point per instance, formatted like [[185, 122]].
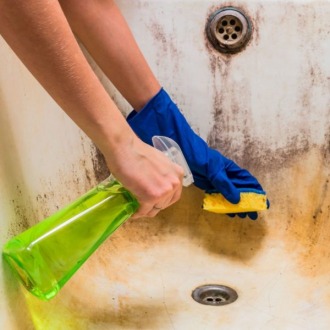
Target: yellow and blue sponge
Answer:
[[251, 201]]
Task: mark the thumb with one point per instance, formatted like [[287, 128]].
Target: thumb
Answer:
[[223, 185]]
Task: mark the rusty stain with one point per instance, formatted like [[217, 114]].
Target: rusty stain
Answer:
[[116, 305], [307, 205], [300, 198], [116, 310], [217, 235]]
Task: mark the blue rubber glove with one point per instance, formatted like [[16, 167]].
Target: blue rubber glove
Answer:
[[212, 171]]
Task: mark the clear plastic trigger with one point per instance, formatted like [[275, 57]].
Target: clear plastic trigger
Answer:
[[172, 150]]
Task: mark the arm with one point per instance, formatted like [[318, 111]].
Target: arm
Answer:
[[104, 32], [107, 37], [39, 34]]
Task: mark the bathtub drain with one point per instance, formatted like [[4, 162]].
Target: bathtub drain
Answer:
[[214, 295], [228, 30]]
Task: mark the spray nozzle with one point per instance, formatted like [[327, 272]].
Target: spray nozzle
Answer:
[[172, 150]]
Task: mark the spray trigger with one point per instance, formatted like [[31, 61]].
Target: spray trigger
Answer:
[[172, 150]]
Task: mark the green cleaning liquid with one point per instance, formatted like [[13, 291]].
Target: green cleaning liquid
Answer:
[[46, 255]]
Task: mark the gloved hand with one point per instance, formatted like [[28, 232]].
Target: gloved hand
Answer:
[[212, 171]]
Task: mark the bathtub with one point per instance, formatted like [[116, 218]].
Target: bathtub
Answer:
[[267, 107]]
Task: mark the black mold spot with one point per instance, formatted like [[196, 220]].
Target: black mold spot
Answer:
[[101, 171], [159, 35], [247, 150], [87, 173], [24, 214], [167, 46]]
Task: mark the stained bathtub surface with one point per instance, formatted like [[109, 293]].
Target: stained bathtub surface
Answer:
[[267, 108]]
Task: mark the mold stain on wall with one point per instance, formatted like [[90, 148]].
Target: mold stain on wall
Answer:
[[29, 210], [296, 176], [165, 42], [23, 214], [100, 168]]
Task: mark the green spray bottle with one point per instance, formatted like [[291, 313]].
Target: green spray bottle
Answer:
[[46, 256]]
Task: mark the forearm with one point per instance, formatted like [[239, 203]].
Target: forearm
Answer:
[[39, 34], [106, 35]]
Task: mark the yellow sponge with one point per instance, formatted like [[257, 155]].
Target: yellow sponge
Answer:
[[249, 202]]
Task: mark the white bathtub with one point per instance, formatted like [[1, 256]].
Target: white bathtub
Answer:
[[267, 107]]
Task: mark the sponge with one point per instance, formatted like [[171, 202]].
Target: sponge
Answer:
[[251, 201]]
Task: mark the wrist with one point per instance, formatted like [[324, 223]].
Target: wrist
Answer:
[[105, 126], [115, 138]]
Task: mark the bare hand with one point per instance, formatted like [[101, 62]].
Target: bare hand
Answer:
[[149, 175]]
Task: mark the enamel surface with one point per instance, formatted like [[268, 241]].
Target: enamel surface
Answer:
[[267, 108]]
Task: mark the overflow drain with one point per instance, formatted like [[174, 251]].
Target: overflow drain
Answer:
[[214, 295], [228, 30]]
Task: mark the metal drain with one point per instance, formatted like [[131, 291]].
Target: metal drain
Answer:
[[228, 30], [214, 295]]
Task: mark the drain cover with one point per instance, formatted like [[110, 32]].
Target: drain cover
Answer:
[[228, 30], [214, 295]]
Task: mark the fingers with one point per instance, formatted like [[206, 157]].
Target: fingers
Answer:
[[251, 215], [145, 211], [162, 198], [153, 179], [152, 209], [223, 185]]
